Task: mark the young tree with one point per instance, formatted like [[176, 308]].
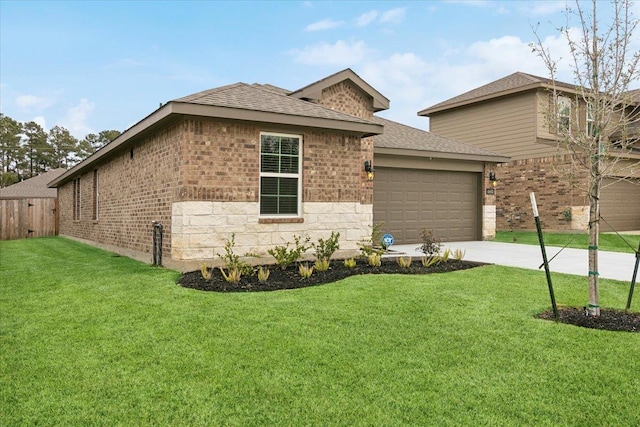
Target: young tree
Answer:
[[604, 65]]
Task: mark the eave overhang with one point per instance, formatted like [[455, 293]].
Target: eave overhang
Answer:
[[175, 110], [440, 155]]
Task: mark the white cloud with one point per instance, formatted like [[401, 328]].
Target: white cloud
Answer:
[[33, 102], [393, 16], [325, 24], [543, 8], [41, 121], [340, 54], [76, 119], [366, 18]]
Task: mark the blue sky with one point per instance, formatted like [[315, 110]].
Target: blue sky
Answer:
[[92, 66]]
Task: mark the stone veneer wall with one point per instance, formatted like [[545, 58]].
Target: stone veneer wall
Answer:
[[200, 229], [562, 206]]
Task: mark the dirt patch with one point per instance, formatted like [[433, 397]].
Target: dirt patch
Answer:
[[609, 319]]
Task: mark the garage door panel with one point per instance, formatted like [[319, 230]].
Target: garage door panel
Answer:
[[620, 205], [407, 200]]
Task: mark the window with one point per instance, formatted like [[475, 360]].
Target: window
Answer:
[[280, 174], [563, 105], [590, 121], [95, 195], [76, 199]]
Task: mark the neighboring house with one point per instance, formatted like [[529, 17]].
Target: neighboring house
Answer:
[[29, 208], [256, 161], [510, 116]]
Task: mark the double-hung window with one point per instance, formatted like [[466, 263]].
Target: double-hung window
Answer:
[[564, 114], [280, 174], [590, 121], [76, 199]]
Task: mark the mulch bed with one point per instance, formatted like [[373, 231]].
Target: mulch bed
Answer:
[[611, 320]]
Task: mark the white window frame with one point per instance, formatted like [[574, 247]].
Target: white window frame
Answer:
[[563, 102], [298, 175], [590, 119], [96, 194], [77, 200]]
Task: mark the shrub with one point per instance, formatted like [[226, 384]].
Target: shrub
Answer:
[[445, 255], [205, 271], [321, 264], [428, 261], [305, 271], [285, 256], [263, 274], [326, 248], [350, 263], [233, 276], [430, 243], [368, 246], [458, 254], [232, 260], [404, 262], [375, 260]]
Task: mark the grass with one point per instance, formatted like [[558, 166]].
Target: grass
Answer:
[[608, 242], [88, 338]]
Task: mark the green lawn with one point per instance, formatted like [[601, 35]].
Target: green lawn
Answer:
[[88, 338], [608, 242]]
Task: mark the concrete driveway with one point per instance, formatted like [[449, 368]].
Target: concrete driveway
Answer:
[[612, 265]]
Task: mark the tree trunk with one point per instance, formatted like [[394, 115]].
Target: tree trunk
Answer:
[[594, 234]]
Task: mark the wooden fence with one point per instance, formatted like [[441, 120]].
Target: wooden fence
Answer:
[[22, 218]]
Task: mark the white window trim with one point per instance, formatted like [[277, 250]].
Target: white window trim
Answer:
[[281, 175], [560, 102], [96, 194], [590, 119]]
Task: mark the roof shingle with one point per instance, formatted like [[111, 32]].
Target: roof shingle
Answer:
[[36, 187]]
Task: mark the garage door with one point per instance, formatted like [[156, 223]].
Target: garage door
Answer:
[[620, 205], [407, 200]]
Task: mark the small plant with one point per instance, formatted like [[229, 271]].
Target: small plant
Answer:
[[305, 271], [285, 256], [326, 248], [404, 262], [430, 243], [445, 255], [233, 276], [263, 274], [367, 246], [205, 271], [567, 214], [375, 260], [321, 265], [428, 261], [458, 254], [350, 263], [232, 260]]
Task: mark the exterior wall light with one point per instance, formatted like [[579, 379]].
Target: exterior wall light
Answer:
[[493, 179], [368, 168]]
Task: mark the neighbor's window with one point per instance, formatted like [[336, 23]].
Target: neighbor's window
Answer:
[[564, 114], [590, 121], [76, 199], [280, 174], [95, 195]]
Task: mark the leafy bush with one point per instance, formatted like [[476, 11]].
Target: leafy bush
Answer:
[[430, 243], [350, 263], [285, 256], [404, 262], [231, 260], [368, 246], [321, 265], [305, 271], [326, 248]]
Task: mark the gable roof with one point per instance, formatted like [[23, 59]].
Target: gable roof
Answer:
[[513, 83], [314, 90], [239, 101], [35, 187], [397, 136]]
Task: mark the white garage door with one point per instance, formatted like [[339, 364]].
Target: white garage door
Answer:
[[407, 200]]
